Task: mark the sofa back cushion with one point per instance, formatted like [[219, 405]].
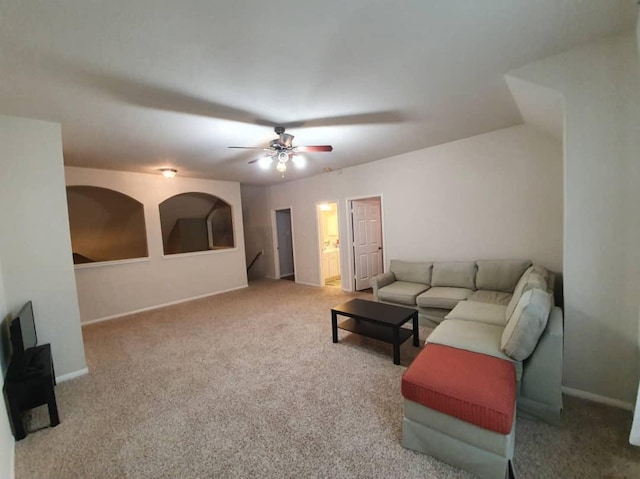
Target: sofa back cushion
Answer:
[[500, 275], [534, 277], [526, 325], [411, 272], [454, 275]]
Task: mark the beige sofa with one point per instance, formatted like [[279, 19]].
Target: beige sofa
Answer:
[[502, 308]]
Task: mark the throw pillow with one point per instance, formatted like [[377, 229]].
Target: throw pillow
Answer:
[[526, 325], [411, 272], [454, 275], [534, 277], [500, 275]]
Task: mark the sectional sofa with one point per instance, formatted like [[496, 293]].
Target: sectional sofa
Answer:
[[501, 308]]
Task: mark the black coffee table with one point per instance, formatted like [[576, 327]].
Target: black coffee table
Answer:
[[378, 321]]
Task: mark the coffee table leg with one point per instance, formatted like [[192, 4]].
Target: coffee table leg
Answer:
[[416, 334], [334, 326], [396, 345]]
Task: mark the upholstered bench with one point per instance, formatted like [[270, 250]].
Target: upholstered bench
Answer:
[[459, 407]]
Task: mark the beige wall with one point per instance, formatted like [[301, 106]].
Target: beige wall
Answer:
[[601, 86], [497, 195], [115, 289], [106, 225], [34, 239], [185, 206], [257, 230]]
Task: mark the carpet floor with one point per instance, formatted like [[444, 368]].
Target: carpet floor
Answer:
[[249, 384]]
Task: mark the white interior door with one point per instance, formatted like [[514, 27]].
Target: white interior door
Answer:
[[367, 240], [285, 242]]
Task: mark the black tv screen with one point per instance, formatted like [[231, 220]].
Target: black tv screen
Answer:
[[23, 331]]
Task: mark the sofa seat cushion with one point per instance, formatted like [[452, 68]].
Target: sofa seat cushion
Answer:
[[493, 297], [473, 336], [500, 275], [401, 292], [454, 274], [475, 388], [482, 312], [443, 298], [435, 315]]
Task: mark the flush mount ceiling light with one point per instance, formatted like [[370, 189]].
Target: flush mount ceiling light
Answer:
[[168, 172]]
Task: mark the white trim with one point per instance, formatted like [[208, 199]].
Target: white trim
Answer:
[[320, 239], [597, 398], [98, 264], [274, 243], [72, 375], [309, 284], [198, 253], [158, 306], [634, 436], [274, 235]]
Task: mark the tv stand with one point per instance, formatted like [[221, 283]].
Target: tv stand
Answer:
[[29, 385]]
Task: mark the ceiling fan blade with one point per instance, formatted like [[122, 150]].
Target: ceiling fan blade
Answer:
[[159, 97], [371, 118], [317, 148], [250, 148], [255, 160]]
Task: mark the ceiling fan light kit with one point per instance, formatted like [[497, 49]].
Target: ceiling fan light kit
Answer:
[[282, 150], [265, 162]]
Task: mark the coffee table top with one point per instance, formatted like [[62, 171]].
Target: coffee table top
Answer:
[[378, 312]]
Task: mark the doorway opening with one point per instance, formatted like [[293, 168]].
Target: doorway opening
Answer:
[[366, 224], [284, 245], [329, 242]]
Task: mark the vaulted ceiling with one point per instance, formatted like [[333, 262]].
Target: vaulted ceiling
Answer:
[[142, 84]]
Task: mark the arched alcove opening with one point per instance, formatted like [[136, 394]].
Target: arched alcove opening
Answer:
[[106, 225], [196, 222]]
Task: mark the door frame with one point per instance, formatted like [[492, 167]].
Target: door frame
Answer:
[[274, 236], [351, 271], [319, 241]]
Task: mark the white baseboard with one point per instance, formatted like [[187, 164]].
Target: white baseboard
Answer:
[[72, 375], [597, 398], [315, 285], [163, 305]]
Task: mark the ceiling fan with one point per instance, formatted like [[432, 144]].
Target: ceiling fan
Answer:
[[281, 150]]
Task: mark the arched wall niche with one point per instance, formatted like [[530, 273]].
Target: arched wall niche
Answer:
[[105, 225], [196, 221]]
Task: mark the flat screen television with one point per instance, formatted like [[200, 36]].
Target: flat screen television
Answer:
[[22, 331]]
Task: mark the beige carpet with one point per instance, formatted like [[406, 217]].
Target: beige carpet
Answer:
[[249, 384]]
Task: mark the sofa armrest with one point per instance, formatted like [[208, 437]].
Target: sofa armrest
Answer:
[[541, 391], [381, 281]]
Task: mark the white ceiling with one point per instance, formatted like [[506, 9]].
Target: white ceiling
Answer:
[[141, 84]]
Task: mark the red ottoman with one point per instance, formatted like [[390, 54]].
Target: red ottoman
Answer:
[[459, 407]]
